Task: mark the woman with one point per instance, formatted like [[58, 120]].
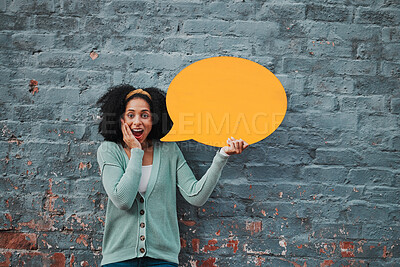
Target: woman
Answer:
[[140, 175]]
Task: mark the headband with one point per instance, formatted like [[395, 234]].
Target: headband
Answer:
[[137, 91]]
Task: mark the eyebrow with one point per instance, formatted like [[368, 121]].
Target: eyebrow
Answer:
[[145, 109]]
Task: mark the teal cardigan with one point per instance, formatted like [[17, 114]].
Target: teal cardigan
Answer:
[[147, 225]]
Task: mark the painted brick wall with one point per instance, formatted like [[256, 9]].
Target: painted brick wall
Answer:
[[323, 190]]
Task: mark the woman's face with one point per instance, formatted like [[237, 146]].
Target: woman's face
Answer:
[[138, 117]]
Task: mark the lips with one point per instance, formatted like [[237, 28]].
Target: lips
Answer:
[[137, 133]]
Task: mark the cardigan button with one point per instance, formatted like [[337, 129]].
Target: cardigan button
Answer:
[[141, 200], [142, 238], [141, 212], [142, 225], [142, 250]]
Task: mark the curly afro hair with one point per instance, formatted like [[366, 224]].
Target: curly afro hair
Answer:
[[113, 105]]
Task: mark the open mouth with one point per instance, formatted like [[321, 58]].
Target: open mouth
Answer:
[[137, 133]]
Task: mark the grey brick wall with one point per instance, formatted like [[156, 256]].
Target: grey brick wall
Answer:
[[323, 190]]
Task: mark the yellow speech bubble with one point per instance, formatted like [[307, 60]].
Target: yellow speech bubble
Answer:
[[219, 97]]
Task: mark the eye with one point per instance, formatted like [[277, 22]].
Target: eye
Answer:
[[130, 115], [145, 115]]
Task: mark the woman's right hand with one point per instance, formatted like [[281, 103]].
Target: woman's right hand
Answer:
[[129, 138]]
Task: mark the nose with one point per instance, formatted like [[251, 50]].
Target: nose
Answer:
[[136, 120]]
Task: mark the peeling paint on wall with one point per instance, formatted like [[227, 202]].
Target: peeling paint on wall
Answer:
[[322, 190]]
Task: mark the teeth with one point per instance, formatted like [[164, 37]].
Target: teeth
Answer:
[[137, 130]]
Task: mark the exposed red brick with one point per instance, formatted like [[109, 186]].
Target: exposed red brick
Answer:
[[188, 223], [44, 224], [259, 261], [295, 264], [263, 213], [346, 245], [18, 240], [35, 90], [82, 239], [233, 244], [57, 260], [333, 248], [47, 259], [386, 253], [7, 261], [71, 262], [14, 139], [33, 83], [83, 166], [93, 55], [326, 263], [49, 204], [183, 243], [50, 190], [254, 227], [100, 220], [196, 245], [211, 245], [207, 263], [33, 87], [347, 249]]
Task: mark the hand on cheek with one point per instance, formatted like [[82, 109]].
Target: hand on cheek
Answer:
[[128, 136]]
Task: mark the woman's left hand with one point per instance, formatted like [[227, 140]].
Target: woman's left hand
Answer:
[[235, 146]]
